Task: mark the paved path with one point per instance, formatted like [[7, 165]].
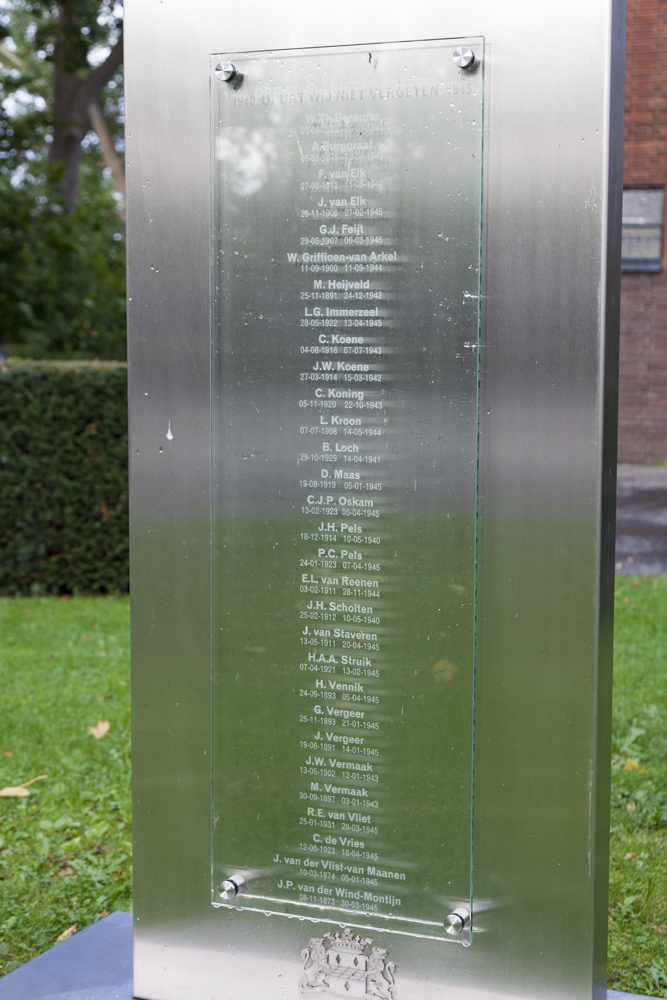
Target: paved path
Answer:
[[641, 520]]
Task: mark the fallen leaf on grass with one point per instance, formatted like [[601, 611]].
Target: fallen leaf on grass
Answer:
[[7, 753], [631, 765], [444, 670], [66, 872], [20, 791], [68, 933], [100, 730]]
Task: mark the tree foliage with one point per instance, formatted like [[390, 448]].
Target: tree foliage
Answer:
[[62, 274], [62, 256]]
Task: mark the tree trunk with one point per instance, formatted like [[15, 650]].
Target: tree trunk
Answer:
[[72, 95], [111, 158]]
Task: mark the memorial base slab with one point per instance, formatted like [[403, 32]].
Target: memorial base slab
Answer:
[[95, 964]]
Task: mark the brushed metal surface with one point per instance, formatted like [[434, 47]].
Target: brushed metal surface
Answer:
[[552, 199]]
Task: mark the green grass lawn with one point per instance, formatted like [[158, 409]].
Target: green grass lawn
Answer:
[[65, 850], [638, 875]]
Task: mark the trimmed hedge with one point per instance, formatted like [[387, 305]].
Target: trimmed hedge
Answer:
[[63, 478]]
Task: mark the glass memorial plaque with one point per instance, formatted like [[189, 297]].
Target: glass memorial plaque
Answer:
[[346, 206]]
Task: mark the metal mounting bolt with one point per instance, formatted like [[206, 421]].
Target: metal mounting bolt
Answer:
[[464, 57], [232, 886], [226, 71], [456, 921]]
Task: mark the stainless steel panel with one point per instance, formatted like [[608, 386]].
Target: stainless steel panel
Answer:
[[551, 217], [346, 240]]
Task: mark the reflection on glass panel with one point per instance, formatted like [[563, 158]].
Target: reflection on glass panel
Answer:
[[643, 215], [346, 199]]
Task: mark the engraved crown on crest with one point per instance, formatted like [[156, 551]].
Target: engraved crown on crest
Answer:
[[347, 941], [345, 970]]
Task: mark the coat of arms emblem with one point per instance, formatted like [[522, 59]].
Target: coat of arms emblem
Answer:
[[349, 967]]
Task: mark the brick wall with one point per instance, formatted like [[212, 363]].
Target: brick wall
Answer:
[[643, 382]]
